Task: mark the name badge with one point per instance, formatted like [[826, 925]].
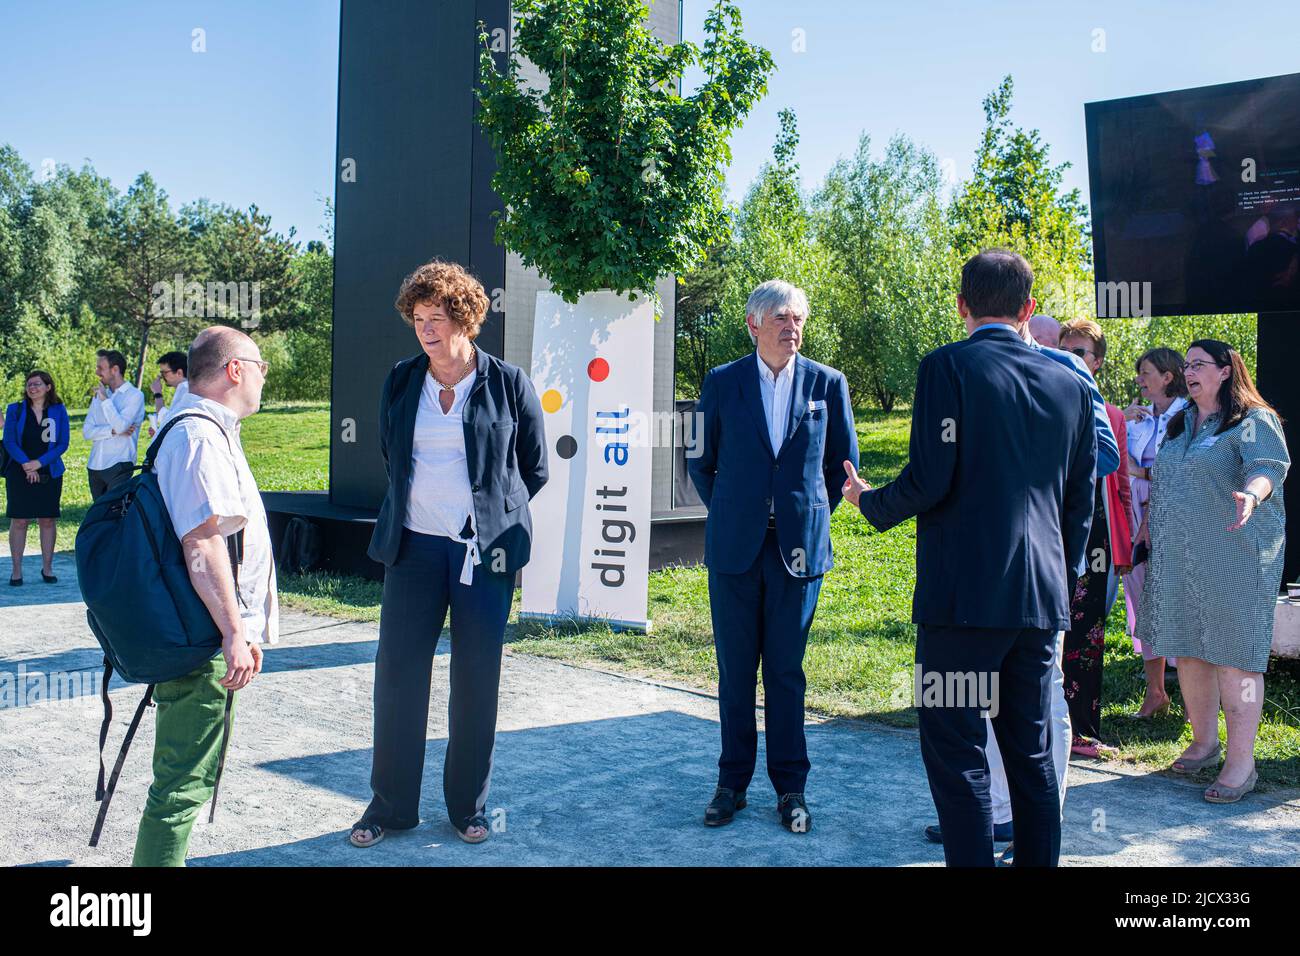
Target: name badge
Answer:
[[815, 403], [1207, 442]]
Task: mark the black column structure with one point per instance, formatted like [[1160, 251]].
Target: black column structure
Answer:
[[413, 176], [1277, 348]]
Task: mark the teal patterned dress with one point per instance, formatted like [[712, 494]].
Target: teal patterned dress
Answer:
[[1210, 592]]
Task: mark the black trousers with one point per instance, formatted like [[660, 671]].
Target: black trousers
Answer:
[[1011, 672], [419, 588], [101, 479], [762, 615]]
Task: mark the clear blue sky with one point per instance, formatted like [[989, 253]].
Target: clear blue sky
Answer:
[[252, 119]]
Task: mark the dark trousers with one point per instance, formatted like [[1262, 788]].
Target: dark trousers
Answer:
[[954, 734], [101, 479], [763, 614], [418, 590]]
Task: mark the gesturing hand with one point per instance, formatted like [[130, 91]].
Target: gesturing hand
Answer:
[[1245, 508], [1135, 413], [853, 485]]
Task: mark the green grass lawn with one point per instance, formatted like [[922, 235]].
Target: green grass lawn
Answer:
[[859, 660]]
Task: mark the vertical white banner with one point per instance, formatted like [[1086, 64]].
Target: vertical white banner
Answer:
[[593, 367]]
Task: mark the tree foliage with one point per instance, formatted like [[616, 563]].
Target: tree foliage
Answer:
[[609, 176]]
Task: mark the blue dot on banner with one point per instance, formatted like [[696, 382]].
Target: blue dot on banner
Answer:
[[566, 447]]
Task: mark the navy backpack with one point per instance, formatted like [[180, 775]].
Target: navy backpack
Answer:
[[140, 604]]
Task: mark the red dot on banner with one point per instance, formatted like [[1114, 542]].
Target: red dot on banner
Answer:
[[598, 370]]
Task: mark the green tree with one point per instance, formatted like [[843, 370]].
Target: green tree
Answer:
[[1014, 199], [143, 246], [610, 177], [884, 224]]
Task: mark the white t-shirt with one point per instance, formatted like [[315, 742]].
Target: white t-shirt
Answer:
[[440, 498], [201, 476]]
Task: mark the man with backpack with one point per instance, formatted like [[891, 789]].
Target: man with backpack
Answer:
[[210, 495]]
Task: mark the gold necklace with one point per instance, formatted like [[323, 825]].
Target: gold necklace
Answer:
[[469, 364]]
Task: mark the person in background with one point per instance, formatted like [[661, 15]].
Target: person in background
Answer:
[[112, 423], [171, 370], [35, 437], [464, 449], [1216, 528], [210, 494], [1160, 381], [1110, 544], [1045, 330]]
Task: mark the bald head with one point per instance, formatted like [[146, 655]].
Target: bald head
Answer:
[[213, 348], [1045, 330]]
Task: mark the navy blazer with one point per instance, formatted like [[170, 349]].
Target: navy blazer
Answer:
[[1002, 458], [16, 419], [505, 449], [739, 479]]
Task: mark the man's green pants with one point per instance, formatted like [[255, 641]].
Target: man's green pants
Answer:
[[186, 750]]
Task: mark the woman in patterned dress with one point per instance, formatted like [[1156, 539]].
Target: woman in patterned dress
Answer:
[[1216, 530]]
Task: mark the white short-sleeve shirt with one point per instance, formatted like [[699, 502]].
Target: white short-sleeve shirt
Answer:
[[199, 476]]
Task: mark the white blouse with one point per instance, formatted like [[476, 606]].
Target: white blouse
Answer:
[[440, 499]]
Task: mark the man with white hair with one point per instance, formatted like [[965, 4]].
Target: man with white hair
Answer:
[[777, 428]]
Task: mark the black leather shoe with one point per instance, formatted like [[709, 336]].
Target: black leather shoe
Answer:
[[1002, 833], [794, 813], [723, 806]]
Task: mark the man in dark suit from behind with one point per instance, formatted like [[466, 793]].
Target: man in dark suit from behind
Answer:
[[775, 430], [1000, 478]]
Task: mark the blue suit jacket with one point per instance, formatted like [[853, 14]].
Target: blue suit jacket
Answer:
[[739, 478], [505, 451], [16, 420], [1002, 462]]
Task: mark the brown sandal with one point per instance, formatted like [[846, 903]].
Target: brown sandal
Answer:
[[1193, 764]]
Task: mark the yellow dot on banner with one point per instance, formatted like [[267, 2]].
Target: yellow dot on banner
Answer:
[[552, 400]]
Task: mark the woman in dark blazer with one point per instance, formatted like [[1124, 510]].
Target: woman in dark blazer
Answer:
[[35, 438], [465, 449]]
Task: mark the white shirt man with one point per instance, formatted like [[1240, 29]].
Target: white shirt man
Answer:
[[777, 389], [199, 476], [113, 425]]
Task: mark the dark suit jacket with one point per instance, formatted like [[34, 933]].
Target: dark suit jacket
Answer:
[[1002, 459], [505, 449], [739, 478]]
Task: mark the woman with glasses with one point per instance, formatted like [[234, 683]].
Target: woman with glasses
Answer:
[[1110, 545], [1160, 381], [35, 440], [1216, 529]]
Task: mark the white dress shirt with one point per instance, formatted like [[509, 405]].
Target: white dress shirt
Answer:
[[777, 390], [440, 498], [199, 476], [1146, 434], [124, 408], [165, 412]]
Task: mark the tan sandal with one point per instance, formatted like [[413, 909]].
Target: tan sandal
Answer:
[[1193, 764], [1225, 794], [374, 828]]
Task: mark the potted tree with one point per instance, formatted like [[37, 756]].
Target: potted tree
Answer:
[[611, 179]]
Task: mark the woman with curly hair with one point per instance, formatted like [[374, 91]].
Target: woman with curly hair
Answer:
[[464, 447]]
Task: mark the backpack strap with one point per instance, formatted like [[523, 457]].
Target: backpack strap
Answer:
[[103, 728], [234, 542], [221, 761], [117, 767]]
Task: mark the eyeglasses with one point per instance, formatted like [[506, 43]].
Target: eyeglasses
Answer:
[[1081, 352], [1197, 365], [263, 366]]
